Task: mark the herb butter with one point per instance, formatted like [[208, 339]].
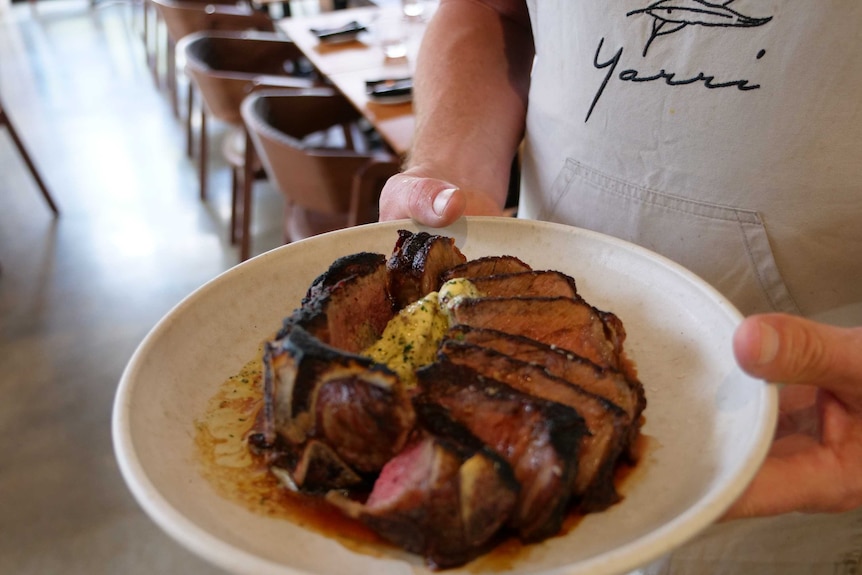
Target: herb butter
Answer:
[[412, 337]]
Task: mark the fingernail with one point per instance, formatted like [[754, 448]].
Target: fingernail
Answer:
[[442, 200], [768, 343]]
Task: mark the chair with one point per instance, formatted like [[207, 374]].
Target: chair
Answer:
[[289, 8], [6, 121], [226, 67], [325, 188], [151, 24], [184, 17]]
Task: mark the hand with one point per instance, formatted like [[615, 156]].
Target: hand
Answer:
[[430, 201], [815, 462]]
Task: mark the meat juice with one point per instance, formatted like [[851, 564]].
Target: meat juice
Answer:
[[241, 476]]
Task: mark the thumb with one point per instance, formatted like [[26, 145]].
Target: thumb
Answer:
[[790, 349], [428, 201]]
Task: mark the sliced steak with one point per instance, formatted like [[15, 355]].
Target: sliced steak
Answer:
[[568, 323], [416, 264], [440, 499], [358, 264], [318, 468], [312, 391], [521, 417], [540, 439], [533, 283], [485, 266], [346, 310], [626, 392], [608, 424], [363, 416]]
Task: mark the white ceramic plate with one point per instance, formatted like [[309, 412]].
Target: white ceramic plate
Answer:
[[709, 425]]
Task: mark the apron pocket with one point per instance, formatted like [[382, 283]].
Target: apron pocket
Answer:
[[726, 246]]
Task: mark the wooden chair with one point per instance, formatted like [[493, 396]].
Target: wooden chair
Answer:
[[324, 187], [184, 17], [289, 8], [226, 67], [7, 122]]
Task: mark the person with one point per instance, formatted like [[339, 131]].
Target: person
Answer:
[[722, 135]]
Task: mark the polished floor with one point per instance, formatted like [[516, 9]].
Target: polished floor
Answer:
[[79, 292]]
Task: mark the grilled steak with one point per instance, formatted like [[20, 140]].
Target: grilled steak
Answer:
[[359, 264], [440, 499], [346, 310], [532, 283], [613, 385], [363, 416], [523, 415], [568, 323], [608, 425], [314, 391], [485, 266], [318, 468], [540, 439], [416, 264]]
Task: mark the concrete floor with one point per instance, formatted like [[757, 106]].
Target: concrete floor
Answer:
[[77, 294]]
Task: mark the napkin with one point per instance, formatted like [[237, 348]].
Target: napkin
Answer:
[[389, 87], [344, 32]]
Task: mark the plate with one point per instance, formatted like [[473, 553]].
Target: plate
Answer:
[[708, 425]]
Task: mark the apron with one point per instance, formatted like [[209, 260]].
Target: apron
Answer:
[[727, 137]]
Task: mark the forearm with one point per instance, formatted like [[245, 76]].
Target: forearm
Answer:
[[471, 88]]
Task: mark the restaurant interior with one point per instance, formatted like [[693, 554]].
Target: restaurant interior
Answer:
[[105, 224]]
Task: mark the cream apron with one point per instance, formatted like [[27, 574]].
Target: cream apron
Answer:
[[728, 137]]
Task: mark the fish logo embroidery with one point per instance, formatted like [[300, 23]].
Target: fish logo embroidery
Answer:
[[670, 16]]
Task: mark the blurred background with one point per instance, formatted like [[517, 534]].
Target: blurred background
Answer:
[[78, 292]]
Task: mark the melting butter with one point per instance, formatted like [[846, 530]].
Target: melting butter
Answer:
[[412, 337]]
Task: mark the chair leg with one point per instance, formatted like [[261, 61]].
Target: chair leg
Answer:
[[150, 51], [355, 200], [5, 121], [247, 182], [190, 105], [145, 24], [347, 128], [203, 151], [172, 78], [235, 232], [156, 52]]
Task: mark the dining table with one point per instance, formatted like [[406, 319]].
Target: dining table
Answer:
[[350, 63]]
